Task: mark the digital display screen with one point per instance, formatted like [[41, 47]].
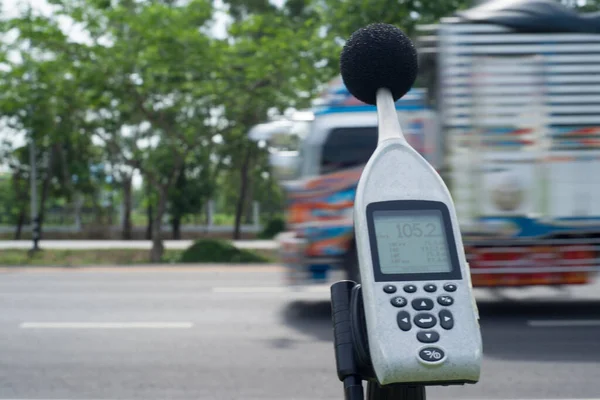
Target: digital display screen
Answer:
[[411, 242]]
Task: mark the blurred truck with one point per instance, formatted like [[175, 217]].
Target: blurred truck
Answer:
[[507, 109]]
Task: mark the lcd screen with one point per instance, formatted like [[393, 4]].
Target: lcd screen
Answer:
[[411, 242]]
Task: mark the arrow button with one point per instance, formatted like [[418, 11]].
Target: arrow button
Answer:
[[425, 320], [403, 319], [446, 319], [428, 336], [421, 304]]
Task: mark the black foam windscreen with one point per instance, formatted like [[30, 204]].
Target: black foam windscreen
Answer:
[[378, 56]]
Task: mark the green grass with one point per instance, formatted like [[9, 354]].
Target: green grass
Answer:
[[219, 251], [50, 257], [74, 258]]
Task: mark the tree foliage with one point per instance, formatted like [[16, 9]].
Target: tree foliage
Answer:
[[145, 87]]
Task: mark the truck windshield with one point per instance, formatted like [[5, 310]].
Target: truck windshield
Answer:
[[348, 147]]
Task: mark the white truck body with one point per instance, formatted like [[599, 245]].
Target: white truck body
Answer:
[[520, 121]]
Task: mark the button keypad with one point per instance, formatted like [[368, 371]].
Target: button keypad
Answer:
[[445, 300], [429, 309], [430, 288], [410, 288], [446, 319], [421, 304], [431, 354], [389, 289], [450, 287], [403, 319], [398, 301], [425, 320], [428, 336]]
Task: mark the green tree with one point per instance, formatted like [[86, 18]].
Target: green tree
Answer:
[[290, 60], [196, 183], [40, 95], [345, 16], [150, 86], [14, 195]]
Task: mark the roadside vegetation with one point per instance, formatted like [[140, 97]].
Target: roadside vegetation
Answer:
[[207, 251]]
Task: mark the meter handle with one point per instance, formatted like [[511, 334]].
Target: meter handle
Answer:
[[395, 391], [360, 340], [347, 367]]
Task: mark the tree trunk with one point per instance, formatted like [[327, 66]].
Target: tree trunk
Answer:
[[21, 196], [43, 198], [149, 228], [249, 211], [111, 209], [97, 210], [45, 190], [176, 226], [20, 221], [239, 208], [126, 229], [158, 248]]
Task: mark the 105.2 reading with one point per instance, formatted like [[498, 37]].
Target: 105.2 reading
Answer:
[[415, 229]]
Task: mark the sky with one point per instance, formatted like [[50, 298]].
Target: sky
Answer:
[[11, 7]]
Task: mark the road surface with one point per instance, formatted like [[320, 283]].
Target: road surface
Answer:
[[127, 244], [235, 333]]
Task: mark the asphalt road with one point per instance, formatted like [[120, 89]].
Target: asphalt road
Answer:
[[235, 333]]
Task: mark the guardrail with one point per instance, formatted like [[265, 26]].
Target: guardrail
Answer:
[[166, 228]]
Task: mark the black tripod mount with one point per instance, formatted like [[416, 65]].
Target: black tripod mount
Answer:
[[352, 357]]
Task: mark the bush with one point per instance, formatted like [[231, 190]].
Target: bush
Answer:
[[273, 227], [218, 251]]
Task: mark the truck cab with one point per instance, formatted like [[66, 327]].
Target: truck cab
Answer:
[[507, 114], [333, 143]]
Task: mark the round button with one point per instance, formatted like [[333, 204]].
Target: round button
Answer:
[[430, 288], [445, 300], [389, 288], [431, 354], [398, 301], [450, 287], [410, 288]]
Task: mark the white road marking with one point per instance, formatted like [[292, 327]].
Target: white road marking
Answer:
[[250, 289], [308, 398], [563, 323], [106, 325], [269, 289]]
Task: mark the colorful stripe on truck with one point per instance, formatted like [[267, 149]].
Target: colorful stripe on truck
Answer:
[[573, 136], [336, 98], [320, 210]]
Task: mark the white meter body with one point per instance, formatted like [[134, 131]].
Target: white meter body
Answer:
[[421, 317]]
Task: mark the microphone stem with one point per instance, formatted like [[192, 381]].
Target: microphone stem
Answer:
[[389, 125]]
